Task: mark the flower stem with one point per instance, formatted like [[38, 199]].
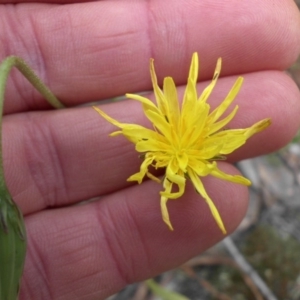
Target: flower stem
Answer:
[[13, 241]]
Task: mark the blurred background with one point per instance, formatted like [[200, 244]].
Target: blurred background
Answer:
[[261, 260]]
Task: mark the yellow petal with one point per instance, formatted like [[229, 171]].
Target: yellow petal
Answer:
[[183, 161], [209, 150], [163, 204], [140, 133], [207, 91], [233, 139], [189, 100], [193, 129], [160, 98], [178, 180], [233, 178], [151, 145], [188, 108], [218, 112], [160, 123], [200, 167], [147, 104], [116, 133], [194, 68], [152, 177], [200, 189], [218, 125], [257, 127], [130, 131], [173, 104], [227, 140], [108, 118], [143, 170]]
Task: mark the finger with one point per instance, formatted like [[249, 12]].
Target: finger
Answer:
[[60, 157], [92, 251], [40, 1], [99, 50]]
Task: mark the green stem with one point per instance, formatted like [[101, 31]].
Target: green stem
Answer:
[[5, 68], [13, 241]]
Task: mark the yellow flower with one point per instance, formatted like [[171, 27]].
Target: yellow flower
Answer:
[[185, 140]]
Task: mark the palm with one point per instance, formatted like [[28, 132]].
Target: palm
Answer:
[[53, 159]]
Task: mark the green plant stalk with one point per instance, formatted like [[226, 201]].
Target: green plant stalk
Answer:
[[13, 241], [163, 293]]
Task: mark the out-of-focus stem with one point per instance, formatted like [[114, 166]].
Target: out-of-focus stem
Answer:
[[13, 240]]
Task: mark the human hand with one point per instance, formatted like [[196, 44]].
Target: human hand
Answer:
[[55, 158]]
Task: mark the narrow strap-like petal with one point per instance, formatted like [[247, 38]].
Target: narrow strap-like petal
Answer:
[[160, 98], [151, 145], [140, 133], [232, 178], [143, 170], [194, 68], [202, 168], [160, 123], [188, 107], [218, 125], [108, 118], [172, 176], [219, 111], [147, 104], [173, 104], [201, 190], [163, 203], [257, 127], [207, 91]]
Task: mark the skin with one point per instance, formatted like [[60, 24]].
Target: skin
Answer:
[[52, 159]]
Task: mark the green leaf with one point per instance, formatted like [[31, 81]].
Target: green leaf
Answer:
[[12, 247], [162, 292]]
